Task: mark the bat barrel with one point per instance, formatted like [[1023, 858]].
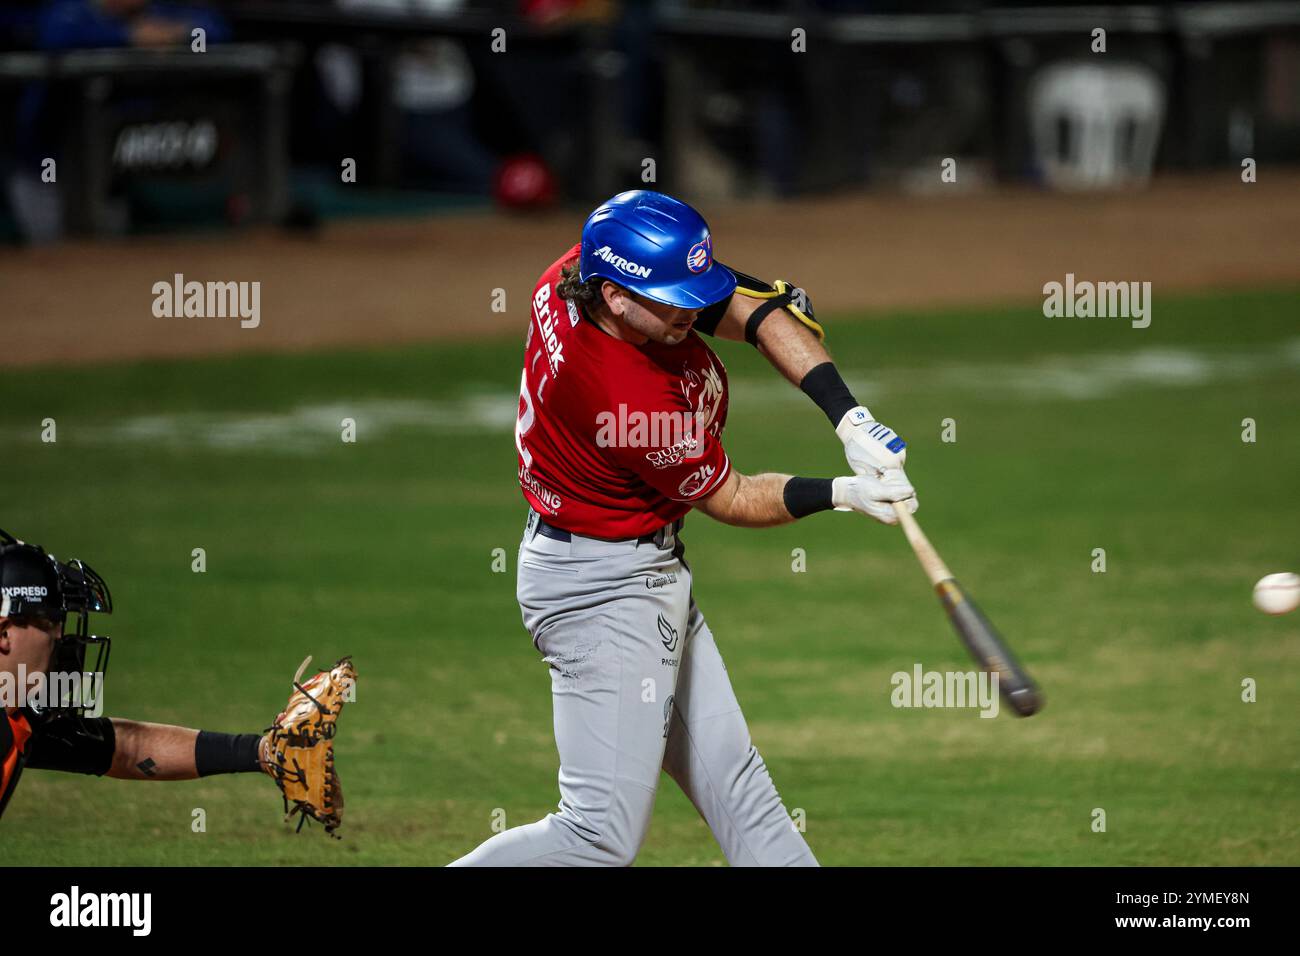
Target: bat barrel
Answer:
[[989, 650], [974, 629]]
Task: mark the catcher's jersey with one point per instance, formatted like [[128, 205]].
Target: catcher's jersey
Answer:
[[614, 440], [14, 734]]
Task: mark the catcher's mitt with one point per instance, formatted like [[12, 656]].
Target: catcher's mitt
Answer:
[[298, 748]]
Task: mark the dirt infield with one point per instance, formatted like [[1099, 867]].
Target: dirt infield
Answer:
[[366, 283]]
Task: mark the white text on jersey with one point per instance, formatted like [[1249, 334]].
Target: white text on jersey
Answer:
[[545, 319]]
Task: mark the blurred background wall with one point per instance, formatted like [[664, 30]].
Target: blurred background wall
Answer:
[[139, 116]]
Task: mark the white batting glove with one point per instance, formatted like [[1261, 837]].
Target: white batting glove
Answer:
[[869, 446], [872, 496]]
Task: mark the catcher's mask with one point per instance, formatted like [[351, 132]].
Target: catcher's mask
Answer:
[[37, 586]]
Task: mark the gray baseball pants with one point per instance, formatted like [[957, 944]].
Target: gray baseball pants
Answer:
[[638, 685]]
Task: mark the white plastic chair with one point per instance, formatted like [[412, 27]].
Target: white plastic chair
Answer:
[[1096, 125]]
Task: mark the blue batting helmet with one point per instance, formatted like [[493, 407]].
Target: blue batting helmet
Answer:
[[658, 247]]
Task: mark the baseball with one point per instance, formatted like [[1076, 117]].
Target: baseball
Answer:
[[1278, 593]]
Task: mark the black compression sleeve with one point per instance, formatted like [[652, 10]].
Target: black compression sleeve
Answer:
[[72, 744], [805, 496], [709, 317], [225, 753], [825, 387]]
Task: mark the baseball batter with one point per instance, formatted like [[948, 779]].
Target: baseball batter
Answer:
[[621, 414]]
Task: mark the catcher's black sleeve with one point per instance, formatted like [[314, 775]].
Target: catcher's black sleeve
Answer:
[[226, 753], [72, 744]]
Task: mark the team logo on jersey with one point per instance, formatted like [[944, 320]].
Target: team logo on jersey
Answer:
[[677, 452], [700, 256], [703, 391], [667, 633], [696, 481], [607, 254]]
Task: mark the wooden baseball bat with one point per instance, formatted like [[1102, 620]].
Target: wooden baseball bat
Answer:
[[974, 629]]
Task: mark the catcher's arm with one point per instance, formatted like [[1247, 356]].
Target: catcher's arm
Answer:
[[136, 750], [153, 751], [147, 751]]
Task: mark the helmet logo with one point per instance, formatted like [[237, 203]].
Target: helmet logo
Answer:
[[700, 256], [622, 265], [25, 592]]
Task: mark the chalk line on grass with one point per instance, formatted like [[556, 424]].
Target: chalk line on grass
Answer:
[[310, 427]]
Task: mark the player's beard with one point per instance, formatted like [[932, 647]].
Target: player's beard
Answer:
[[664, 331]]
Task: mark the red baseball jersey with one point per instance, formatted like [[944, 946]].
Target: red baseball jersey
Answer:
[[615, 440]]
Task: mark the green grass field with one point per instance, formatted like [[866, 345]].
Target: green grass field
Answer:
[[1071, 435]]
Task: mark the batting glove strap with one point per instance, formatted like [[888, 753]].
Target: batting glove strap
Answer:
[[852, 420]]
